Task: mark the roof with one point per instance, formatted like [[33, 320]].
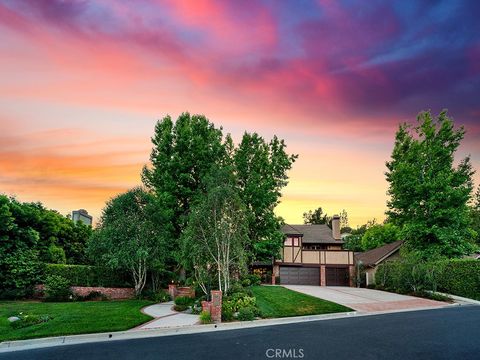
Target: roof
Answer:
[[311, 234], [375, 256]]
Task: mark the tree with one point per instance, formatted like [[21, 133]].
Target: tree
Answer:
[[130, 235], [344, 225], [316, 217], [475, 215], [20, 267], [261, 170], [428, 194], [183, 154], [217, 233], [353, 241], [379, 235]]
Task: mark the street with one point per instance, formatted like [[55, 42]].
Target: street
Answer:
[[449, 333]]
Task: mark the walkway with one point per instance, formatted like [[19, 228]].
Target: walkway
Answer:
[[165, 317], [366, 300]]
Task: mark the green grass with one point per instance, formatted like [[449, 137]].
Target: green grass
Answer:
[[72, 317], [277, 301]]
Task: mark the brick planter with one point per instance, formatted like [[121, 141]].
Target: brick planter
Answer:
[[111, 293]]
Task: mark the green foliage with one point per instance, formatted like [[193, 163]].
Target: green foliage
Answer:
[[261, 168], [316, 217], [353, 241], [87, 275], [246, 314], [91, 296], [29, 320], [462, 278], [21, 270], [131, 236], [182, 303], [214, 241], [428, 194], [56, 255], [379, 235], [251, 280], [57, 288], [413, 274], [205, 317]]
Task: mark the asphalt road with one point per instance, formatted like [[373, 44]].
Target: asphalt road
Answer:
[[451, 333]]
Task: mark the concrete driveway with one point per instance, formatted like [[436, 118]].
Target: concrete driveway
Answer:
[[366, 300]]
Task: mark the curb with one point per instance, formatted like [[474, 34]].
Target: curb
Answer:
[[18, 345], [460, 298]]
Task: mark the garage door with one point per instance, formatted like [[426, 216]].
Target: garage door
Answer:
[[337, 276], [299, 276]]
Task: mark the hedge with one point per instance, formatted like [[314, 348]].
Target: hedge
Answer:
[[462, 278], [457, 276], [86, 275]]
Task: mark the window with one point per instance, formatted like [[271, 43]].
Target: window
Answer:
[[288, 241]]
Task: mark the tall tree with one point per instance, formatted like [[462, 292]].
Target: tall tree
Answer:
[[428, 194], [261, 169], [217, 233], [130, 236], [182, 156], [316, 217]]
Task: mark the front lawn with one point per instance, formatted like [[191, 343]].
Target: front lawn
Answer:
[[277, 301], [69, 318]]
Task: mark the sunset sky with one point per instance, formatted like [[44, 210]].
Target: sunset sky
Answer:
[[82, 84]]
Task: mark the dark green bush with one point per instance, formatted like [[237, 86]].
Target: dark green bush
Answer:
[[86, 275], [57, 288], [91, 296], [246, 314], [182, 303], [462, 278], [457, 276], [251, 280], [227, 311]]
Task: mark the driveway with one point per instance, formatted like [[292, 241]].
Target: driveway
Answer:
[[366, 300]]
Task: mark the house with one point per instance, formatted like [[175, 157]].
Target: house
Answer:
[[313, 255], [370, 260]]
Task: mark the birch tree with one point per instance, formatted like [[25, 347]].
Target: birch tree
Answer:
[[216, 235]]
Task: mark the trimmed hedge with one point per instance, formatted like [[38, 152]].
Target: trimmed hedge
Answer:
[[457, 276], [462, 278], [86, 275]]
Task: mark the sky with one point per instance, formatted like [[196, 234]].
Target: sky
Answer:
[[83, 82]]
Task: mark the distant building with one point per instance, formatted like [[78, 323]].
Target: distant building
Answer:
[[82, 215]]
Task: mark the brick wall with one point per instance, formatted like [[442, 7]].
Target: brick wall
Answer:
[[111, 293]]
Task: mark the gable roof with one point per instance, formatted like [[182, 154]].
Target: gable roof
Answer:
[[311, 234], [375, 256]]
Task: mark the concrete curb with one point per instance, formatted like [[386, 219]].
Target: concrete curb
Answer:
[[19, 345], [459, 298]]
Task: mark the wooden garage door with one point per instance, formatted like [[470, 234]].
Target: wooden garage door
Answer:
[[337, 276], [299, 276]]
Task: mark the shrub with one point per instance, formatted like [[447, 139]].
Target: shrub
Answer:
[[458, 276], [57, 288], [251, 280], [246, 314], [227, 311], [205, 317], [29, 320], [462, 278], [235, 287], [161, 296], [182, 303], [56, 255], [86, 275], [20, 270]]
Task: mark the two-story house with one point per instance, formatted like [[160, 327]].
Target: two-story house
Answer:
[[313, 255]]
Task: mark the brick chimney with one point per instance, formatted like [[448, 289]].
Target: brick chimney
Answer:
[[336, 227]]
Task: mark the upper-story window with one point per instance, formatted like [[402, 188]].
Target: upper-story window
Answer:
[[289, 241]]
